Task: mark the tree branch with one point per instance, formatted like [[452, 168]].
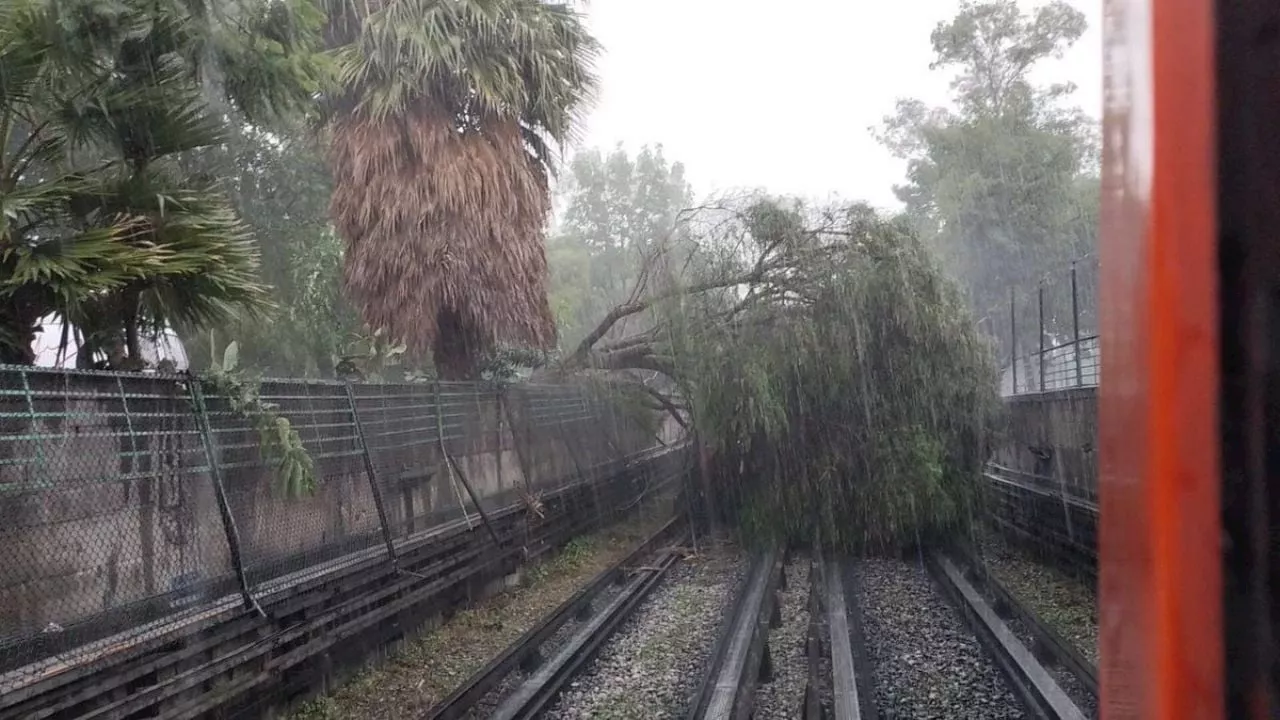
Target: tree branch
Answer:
[[580, 355], [665, 404]]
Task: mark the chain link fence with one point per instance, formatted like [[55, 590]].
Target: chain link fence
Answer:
[[125, 511]]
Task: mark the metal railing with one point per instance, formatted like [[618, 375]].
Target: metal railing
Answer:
[[1048, 333]]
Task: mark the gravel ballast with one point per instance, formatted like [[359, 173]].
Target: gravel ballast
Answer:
[[783, 696], [654, 663], [925, 661], [1064, 603], [430, 667]]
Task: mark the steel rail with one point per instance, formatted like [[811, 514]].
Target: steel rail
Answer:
[[741, 654], [537, 693], [812, 709], [1049, 642], [524, 651], [1034, 685], [851, 697]]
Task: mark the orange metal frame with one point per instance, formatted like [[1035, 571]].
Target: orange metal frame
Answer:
[[1160, 568]]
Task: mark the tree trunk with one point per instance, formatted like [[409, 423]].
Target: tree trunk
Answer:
[[131, 342], [708, 491], [455, 354], [453, 360], [19, 316]]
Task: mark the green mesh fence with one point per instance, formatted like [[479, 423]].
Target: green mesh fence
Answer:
[[124, 510]]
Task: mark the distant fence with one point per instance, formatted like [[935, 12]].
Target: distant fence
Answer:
[[1042, 476], [1048, 331], [120, 504]]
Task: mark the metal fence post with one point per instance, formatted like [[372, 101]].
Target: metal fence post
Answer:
[[42, 463], [372, 474], [497, 435], [220, 492], [454, 469], [1040, 307], [1075, 324], [1013, 340]]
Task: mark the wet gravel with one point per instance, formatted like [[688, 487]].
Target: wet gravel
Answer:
[[925, 661], [428, 668], [1066, 604], [1066, 680], [564, 634], [783, 697], [653, 664]]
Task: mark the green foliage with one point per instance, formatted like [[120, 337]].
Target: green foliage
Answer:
[[481, 58], [100, 101], [371, 356], [571, 557], [853, 407], [1005, 188], [506, 364], [279, 185], [278, 441]]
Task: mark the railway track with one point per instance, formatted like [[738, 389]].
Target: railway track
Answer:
[[1046, 674], [1037, 687], [741, 657], [1043, 675], [839, 676], [525, 677], [1061, 660]]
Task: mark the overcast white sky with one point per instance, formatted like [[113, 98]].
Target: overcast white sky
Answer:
[[780, 96]]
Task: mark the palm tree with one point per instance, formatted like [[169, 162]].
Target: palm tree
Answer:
[[97, 103], [441, 153]]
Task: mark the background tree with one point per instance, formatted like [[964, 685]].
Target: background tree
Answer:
[[99, 101], [616, 210], [441, 152], [1004, 186], [279, 184]]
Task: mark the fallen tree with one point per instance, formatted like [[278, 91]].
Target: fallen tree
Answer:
[[831, 373]]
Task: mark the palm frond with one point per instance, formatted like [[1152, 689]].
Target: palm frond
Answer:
[[507, 58]]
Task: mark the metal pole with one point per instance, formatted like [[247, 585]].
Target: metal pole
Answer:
[[453, 469], [475, 500], [1040, 306], [372, 474], [1075, 324], [1013, 341], [220, 492], [497, 434]]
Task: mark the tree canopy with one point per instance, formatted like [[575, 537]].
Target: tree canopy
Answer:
[[1005, 185], [616, 209], [99, 103], [831, 372]]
